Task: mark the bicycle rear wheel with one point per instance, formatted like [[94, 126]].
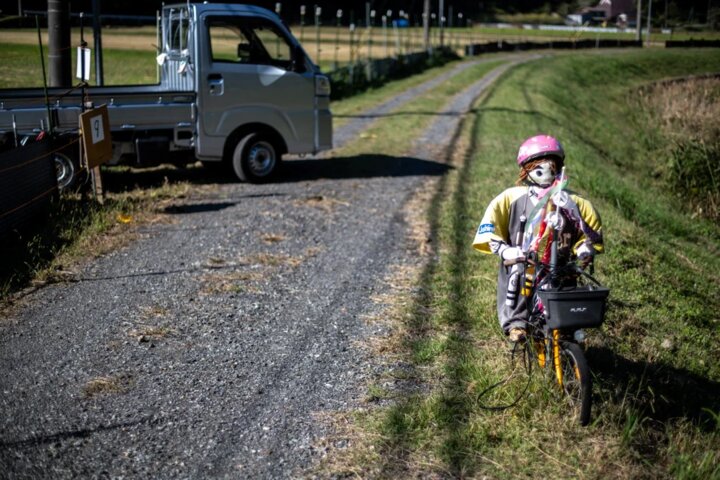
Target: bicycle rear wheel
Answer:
[[576, 381]]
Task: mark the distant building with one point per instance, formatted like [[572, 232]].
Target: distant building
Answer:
[[605, 12]]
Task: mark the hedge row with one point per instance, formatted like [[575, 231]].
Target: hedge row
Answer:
[[501, 46], [692, 43], [355, 78]]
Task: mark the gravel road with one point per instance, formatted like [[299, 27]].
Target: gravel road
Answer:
[[212, 345]]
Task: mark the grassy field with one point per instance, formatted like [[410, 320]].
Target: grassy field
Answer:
[[656, 360], [336, 46], [22, 66]]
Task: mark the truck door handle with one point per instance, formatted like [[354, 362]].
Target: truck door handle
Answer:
[[216, 84]]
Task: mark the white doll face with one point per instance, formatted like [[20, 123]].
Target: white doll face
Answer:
[[543, 173]]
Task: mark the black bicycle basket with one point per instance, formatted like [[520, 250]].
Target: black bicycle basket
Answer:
[[576, 307]]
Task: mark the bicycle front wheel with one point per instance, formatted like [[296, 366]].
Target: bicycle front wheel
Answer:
[[576, 381]]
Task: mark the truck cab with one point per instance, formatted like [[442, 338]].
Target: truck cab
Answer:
[[258, 94]]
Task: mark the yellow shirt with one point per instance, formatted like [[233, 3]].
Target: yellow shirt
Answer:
[[502, 221]]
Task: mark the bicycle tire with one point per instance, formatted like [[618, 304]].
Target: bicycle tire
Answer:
[[577, 383]]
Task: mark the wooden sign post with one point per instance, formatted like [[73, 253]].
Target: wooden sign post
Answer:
[[96, 144]]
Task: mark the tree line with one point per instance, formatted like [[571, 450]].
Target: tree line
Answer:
[[666, 11]]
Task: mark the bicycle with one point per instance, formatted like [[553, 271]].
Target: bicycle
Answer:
[[563, 301]]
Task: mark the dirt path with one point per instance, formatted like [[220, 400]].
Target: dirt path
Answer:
[[211, 346]]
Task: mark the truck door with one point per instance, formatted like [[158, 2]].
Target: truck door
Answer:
[[249, 76]]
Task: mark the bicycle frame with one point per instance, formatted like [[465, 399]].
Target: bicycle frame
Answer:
[[557, 350], [558, 306], [556, 345]]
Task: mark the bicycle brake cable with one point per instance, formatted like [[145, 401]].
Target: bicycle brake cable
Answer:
[[497, 408]]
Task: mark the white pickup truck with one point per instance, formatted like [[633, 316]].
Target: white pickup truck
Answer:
[[235, 87]]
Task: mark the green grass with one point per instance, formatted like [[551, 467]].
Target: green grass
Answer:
[[22, 67], [358, 103], [656, 361], [412, 117]]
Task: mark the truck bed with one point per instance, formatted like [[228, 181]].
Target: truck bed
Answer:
[[130, 107]]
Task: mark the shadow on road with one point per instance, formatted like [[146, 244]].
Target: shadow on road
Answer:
[[360, 166], [292, 170], [15, 275], [198, 207]]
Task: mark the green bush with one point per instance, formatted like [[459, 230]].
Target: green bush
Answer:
[[356, 78]]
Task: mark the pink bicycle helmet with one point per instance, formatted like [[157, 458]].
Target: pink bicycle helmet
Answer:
[[540, 146]]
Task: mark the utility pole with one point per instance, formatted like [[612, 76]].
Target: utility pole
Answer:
[[59, 39], [318, 12], [450, 26], [302, 22], [426, 25], [442, 23], [97, 39], [707, 20], [638, 22], [368, 30], [649, 24]]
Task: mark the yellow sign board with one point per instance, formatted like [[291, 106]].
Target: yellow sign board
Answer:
[[95, 129]]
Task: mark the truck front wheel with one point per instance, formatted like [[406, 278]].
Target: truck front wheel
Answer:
[[255, 158]]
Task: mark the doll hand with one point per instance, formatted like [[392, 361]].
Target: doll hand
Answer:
[[585, 254], [512, 253]]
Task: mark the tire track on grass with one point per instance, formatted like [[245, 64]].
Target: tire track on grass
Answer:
[[362, 121]]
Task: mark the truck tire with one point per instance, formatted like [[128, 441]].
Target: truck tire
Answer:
[[70, 175], [255, 158], [65, 171]]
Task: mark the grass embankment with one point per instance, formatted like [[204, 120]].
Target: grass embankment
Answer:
[[656, 360]]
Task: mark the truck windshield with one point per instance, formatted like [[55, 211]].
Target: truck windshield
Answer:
[[249, 41]]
